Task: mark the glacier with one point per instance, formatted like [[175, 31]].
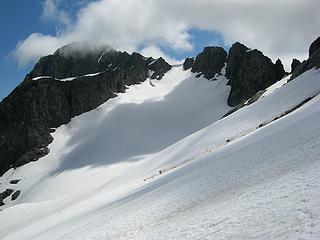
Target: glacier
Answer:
[[175, 169]]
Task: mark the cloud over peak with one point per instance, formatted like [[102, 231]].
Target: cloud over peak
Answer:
[[279, 28]]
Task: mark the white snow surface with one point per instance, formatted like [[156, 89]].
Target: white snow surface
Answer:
[[41, 77], [86, 75], [220, 179], [68, 78], [99, 59], [275, 86]]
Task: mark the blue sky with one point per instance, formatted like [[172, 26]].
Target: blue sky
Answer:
[[176, 29], [17, 20]]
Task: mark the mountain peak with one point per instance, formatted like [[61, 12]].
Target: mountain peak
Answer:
[[248, 71], [65, 84], [210, 61]]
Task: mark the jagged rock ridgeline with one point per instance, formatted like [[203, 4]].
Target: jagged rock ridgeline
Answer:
[[70, 61], [29, 113], [248, 71], [73, 60], [71, 82]]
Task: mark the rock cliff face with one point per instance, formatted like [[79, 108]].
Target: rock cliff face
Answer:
[[312, 62], [249, 71], [158, 68], [188, 63], [294, 64], [314, 47], [35, 106], [74, 62], [210, 61], [279, 70]]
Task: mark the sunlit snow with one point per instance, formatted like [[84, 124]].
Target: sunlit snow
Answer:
[[157, 162]]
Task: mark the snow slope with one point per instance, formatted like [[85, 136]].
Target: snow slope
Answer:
[[246, 176]]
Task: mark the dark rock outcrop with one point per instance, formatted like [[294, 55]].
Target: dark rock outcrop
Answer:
[[15, 181], [315, 46], [249, 71], [35, 106], [294, 64], [188, 63], [15, 195], [312, 62], [210, 62], [4, 195], [66, 63], [73, 60], [250, 77], [159, 67], [280, 72]]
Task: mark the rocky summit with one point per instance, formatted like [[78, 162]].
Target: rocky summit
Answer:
[[248, 71], [210, 61], [61, 86]]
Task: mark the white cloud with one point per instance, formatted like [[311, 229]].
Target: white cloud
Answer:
[[279, 28], [36, 46], [282, 29], [127, 24], [156, 52], [52, 12]]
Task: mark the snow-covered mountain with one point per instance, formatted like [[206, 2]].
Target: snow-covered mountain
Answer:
[[167, 157]]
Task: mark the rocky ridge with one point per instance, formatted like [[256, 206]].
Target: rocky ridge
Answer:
[[61, 86], [73, 81], [248, 71]]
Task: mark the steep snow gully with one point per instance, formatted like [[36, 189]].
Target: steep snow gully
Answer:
[[175, 169]]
